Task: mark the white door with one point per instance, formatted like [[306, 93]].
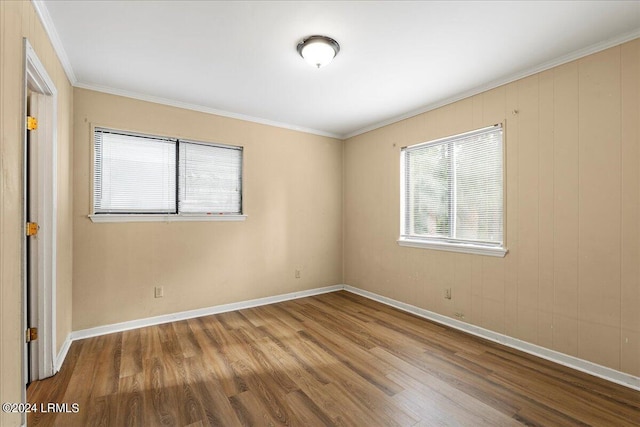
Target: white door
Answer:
[[32, 246], [40, 205], [34, 215], [40, 247]]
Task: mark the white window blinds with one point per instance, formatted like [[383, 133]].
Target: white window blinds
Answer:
[[133, 173], [144, 174], [453, 189], [210, 178]]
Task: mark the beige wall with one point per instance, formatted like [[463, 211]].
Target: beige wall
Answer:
[[17, 20], [292, 196], [571, 280]]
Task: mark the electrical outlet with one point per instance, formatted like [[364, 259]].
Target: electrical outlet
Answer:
[[297, 273], [447, 293], [159, 291]]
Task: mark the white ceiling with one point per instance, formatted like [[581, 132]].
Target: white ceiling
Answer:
[[397, 58]]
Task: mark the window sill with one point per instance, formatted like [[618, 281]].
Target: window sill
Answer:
[[454, 247], [163, 218]]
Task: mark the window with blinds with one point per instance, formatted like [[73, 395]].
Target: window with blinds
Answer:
[[452, 190], [210, 178], [145, 174]]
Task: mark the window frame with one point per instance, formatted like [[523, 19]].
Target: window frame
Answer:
[[162, 217], [448, 243]]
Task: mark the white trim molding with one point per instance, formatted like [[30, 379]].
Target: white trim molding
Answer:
[[190, 314], [578, 364], [572, 56], [454, 247], [62, 354], [47, 22], [203, 109], [594, 369], [44, 103], [50, 28], [40, 278]]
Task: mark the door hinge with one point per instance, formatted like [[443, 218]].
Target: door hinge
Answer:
[[32, 334], [32, 123], [32, 228]]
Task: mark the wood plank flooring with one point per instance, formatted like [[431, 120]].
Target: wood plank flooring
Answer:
[[333, 359]]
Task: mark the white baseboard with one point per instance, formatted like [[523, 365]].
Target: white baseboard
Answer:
[[190, 314], [591, 368], [62, 354], [545, 353]]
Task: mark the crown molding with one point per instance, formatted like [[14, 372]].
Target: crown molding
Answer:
[[47, 23], [203, 109], [49, 27], [580, 53]]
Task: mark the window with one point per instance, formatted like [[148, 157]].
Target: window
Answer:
[[452, 193], [133, 173], [149, 177]]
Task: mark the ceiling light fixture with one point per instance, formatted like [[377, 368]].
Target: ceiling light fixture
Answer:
[[318, 50]]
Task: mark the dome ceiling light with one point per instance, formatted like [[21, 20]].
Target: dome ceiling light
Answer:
[[318, 50]]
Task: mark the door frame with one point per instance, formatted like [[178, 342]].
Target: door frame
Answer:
[[37, 80]]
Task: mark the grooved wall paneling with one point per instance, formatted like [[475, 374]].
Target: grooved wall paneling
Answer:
[[571, 280]]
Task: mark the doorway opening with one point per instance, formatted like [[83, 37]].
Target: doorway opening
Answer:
[[39, 214]]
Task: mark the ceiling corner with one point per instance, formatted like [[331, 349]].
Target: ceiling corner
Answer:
[[49, 27]]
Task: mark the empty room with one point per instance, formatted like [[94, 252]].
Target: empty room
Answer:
[[355, 213]]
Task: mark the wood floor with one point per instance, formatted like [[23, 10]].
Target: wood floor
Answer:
[[333, 359]]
